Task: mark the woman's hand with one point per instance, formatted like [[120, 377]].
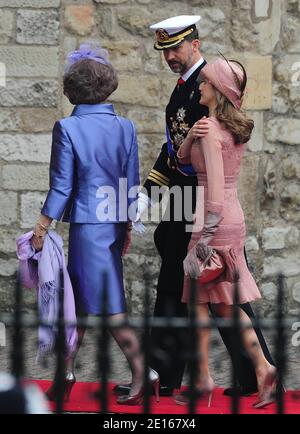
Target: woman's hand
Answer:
[[39, 232], [37, 242], [199, 129]]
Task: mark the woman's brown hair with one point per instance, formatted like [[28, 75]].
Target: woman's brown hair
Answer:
[[89, 82], [236, 121]]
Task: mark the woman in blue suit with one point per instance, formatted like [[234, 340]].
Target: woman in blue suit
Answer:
[[94, 179]]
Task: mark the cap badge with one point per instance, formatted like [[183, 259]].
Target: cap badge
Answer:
[[162, 35]]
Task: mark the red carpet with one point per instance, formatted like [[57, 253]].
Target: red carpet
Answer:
[[82, 400]]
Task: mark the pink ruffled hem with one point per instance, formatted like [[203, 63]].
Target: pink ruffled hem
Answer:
[[222, 289]]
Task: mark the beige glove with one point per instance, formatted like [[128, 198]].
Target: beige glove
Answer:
[[211, 225], [202, 249], [190, 264]]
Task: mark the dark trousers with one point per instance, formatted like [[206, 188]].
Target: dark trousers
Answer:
[[168, 345]]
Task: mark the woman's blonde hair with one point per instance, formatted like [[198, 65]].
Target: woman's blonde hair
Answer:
[[236, 121]]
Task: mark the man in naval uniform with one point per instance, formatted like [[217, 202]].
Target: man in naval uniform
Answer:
[[178, 39]]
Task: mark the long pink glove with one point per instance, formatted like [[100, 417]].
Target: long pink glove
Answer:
[[201, 249]]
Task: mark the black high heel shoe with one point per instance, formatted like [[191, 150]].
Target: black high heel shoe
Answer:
[[137, 399], [68, 384]]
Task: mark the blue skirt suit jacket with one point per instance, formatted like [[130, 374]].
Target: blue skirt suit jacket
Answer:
[[94, 151]]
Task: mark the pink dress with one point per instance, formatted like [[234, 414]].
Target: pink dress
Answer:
[[217, 161]]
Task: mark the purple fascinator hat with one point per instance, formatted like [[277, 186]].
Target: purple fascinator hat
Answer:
[[87, 51]]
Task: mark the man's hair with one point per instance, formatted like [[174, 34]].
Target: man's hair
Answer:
[[89, 82], [194, 35]]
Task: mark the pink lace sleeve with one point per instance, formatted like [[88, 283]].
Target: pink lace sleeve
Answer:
[[212, 150]]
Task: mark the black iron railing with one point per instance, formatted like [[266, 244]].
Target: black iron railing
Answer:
[[19, 321]]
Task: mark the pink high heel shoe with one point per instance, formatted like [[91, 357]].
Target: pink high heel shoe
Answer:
[[137, 399], [267, 395], [206, 391]]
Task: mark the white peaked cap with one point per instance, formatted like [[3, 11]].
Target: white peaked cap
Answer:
[[176, 24], [171, 32]]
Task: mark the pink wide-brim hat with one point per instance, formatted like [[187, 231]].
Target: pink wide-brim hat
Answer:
[[221, 76]]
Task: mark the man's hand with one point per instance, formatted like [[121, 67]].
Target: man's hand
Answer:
[[199, 129]]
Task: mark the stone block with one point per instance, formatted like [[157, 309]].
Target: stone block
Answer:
[[30, 3], [130, 91], [290, 33], [243, 33], [296, 292], [212, 30], [35, 120], [287, 70], [107, 23], [266, 16], [8, 238], [252, 244], [288, 265], [6, 26], [149, 148], [31, 205], [111, 2], [29, 93], [291, 195], [256, 142], [274, 238], [259, 89], [247, 189], [2, 335], [292, 238], [40, 27], [10, 120], [148, 120], [135, 20], [79, 19], [291, 166], [281, 103], [8, 267], [8, 207], [26, 177], [30, 61], [269, 291], [25, 147], [153, 62], [283, 130], [67, 107], [124, 56]]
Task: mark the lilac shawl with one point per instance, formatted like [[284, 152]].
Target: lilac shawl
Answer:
[[41, 270]]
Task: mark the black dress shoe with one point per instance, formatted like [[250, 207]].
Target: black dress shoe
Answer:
[[166, 391], [123, 389], [241, 391]]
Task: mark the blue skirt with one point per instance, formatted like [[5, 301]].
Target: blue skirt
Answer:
[[94, 263]]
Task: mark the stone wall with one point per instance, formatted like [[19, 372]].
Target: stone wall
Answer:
[[35, 36]]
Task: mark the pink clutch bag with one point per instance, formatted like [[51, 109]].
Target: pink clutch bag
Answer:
[[211, 268]]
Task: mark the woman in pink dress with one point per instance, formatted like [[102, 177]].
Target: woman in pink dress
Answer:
[[217, 160]]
